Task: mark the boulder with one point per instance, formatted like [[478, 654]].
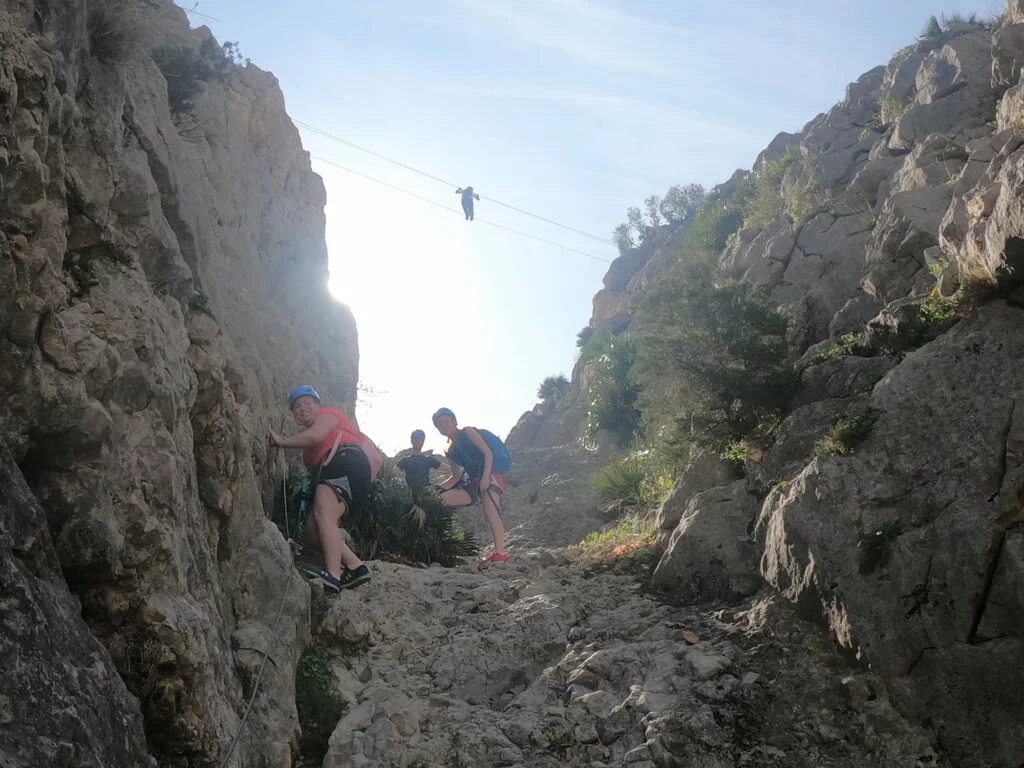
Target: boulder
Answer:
[[920, 536], [706, 472], [1007, 56], [711, 555]]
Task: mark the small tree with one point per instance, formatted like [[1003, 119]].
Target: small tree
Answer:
[[185, 71], [712, 226], [932, 30], [553, 387], [612, 395], [623, 237], [680, 203], [635, 222], [653, 207], [711, 355]]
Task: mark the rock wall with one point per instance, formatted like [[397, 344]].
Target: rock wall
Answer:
[[905, 548], [164, 286]]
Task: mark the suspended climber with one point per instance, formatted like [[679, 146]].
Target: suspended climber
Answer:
[[468, 196]]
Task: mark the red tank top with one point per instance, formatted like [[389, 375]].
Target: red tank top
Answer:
[[349, 436]]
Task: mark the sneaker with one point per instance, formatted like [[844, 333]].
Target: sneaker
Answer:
[[325, 576], [354, 578], [493, 558]]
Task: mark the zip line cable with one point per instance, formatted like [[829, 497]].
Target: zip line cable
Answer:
[[458, 213], [194, 12], [432, 177], [325, 134]]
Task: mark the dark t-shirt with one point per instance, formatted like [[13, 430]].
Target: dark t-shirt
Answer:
[[417, 469]]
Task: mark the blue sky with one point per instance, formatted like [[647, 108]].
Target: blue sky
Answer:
[[572, 109]]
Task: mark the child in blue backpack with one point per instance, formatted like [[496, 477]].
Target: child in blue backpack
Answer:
[[477, 475]]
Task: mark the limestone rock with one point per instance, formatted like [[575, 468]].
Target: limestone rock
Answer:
[[62, 701], [711, 555], [888, 566], [164, 285], [706, 472]]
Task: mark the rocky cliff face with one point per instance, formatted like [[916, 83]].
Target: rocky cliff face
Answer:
[[907, 548], [164, 285]]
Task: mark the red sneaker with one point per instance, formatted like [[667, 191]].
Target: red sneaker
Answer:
[[497, 557]]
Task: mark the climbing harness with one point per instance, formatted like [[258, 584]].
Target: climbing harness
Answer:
[[300, 517]]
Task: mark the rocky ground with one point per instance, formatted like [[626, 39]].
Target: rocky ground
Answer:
[[553, 659]]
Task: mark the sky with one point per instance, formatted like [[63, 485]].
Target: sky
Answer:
[[570, 109]]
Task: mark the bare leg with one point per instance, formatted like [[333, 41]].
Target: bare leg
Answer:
[[493, 522], [327, 512], [459, 498], [455, 498]]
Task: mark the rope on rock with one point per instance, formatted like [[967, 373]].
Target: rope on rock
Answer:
[[266, 654]]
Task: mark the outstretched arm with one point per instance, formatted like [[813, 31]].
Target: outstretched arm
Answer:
[[456, 471], [313, 436]]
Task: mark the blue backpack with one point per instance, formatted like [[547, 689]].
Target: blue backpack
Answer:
[[470, 458]]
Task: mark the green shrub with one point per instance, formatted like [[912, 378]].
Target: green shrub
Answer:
[[115, 29], [611, 396], [385, 529], [594, 344], [200, 302], [932, 30], [553, 387], [768, 203], [936, 315], [735, 451], [848, 433], [891, 110], [637, 478], [711, 358], [848, 344], [875, 545], [631, 531], [960, 18], [681, 203], [185, 71], [319, 705], [712, 227]]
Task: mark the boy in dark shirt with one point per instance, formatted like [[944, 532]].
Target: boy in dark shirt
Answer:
[[417, 465]]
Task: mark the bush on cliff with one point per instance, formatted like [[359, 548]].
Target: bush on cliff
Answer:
[[711, 358], [611, 395], [385, 529]]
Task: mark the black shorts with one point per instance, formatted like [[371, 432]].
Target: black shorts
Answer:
[[471, 485], [348, 475]]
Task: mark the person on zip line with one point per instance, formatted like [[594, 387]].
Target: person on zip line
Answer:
[[468, 196], [342, 475], [478, 461]]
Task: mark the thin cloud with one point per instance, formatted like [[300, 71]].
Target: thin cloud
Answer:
[[619, 108], [591, 44]]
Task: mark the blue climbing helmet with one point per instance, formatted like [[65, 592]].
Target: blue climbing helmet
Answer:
[[442, 412], [301, 391], [418, 434]]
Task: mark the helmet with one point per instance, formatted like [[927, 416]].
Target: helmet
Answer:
[[442, 412], [418, 434], [301, 391]]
